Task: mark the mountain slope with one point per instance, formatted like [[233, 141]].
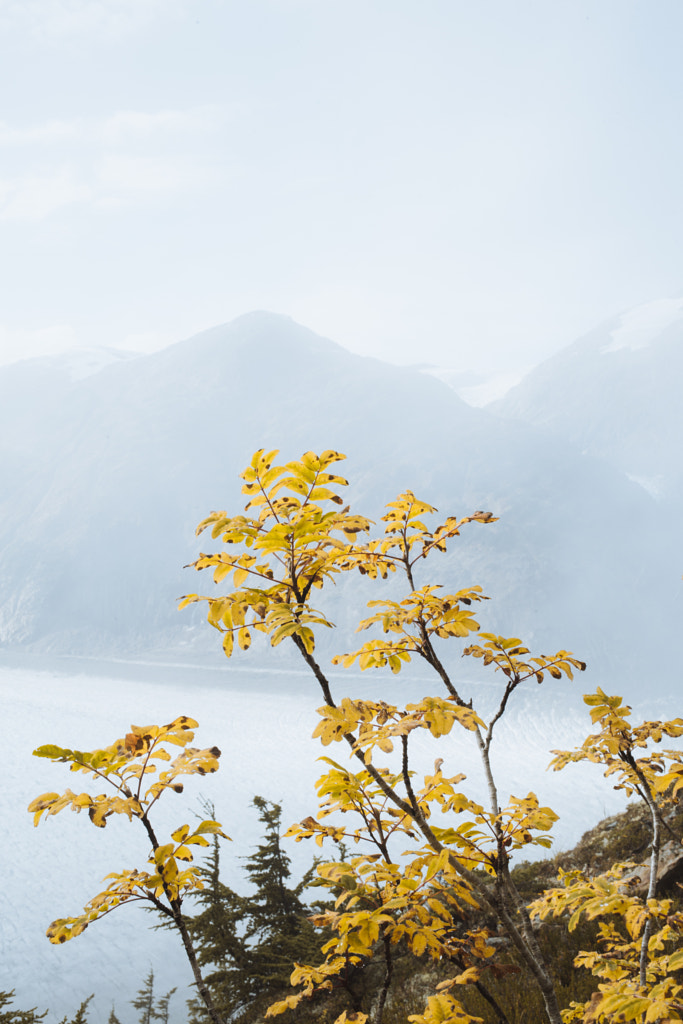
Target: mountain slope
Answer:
[[616, 394], [96, 527]]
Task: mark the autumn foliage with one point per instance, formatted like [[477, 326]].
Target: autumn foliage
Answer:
[[427, 867]]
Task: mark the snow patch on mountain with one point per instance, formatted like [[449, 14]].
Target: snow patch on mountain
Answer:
[[477, 389], [78, 363], [640, 326], [651, 484]]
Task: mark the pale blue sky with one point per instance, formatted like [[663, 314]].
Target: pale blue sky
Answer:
[[472, 184]]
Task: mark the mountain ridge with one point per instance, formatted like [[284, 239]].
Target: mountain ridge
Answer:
[[618, 402], [96, 525]]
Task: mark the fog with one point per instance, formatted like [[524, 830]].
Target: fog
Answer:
[[468, 185]]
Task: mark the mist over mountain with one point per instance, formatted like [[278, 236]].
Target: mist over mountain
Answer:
[[106, 476], [616, 394]]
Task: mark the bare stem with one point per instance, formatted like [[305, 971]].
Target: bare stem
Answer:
[[388, 960], [511, 685], [493, 1003], [644, 788], [179, 921]]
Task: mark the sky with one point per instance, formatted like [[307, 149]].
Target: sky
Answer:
[[468, 184]]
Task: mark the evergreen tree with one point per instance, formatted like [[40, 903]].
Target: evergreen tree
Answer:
[[278, 931], [251, 941], [218, 935], [113, 1019], [144, 1002], [81, 1015], [161, 1009], [149, 1010], [11, 1016]]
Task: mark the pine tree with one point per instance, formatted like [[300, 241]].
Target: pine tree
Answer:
[[11, 1016], [81, 1015], [218, 934], [251, 941], [161, 1009], [113, 1019], [278, 931], [144, 1002], [149, 1010]]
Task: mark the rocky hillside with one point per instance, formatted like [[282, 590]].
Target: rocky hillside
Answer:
[[621, 837]]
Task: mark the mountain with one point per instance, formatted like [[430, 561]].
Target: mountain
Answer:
[[101, 497], [616, 395]]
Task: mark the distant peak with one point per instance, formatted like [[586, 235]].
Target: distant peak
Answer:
[[262, 315], [639, 327], [270, 331]]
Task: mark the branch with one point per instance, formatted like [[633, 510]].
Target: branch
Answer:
[[387, 975], [627, 757], [512, 684]]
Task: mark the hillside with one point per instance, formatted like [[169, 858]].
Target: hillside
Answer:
[[105, 479], [616, 394]]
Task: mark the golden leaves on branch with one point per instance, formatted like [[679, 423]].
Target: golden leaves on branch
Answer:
[[293, 543], [297, 535], [617, 959], [618, 744], [636, 955], [294, 546], [507, 654], [444, 1009], [166, 880], [123, 766], [375, 899], [421, 615], [407, 538], [378, 724]]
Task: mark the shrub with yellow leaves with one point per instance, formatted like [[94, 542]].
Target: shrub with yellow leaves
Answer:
[[640, 937], [427, 852], [128, 767]]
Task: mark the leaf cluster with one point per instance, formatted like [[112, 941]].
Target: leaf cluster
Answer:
[[639, 937], [125, 767], [623, 917], [624, 750], [292, 546]]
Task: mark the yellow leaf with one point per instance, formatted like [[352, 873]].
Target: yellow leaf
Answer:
[[469, 976], [38, 806]]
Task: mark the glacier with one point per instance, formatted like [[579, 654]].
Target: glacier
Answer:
[[262, 721]]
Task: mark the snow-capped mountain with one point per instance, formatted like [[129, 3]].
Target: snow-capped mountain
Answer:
[[104, 485], [616, 394]]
